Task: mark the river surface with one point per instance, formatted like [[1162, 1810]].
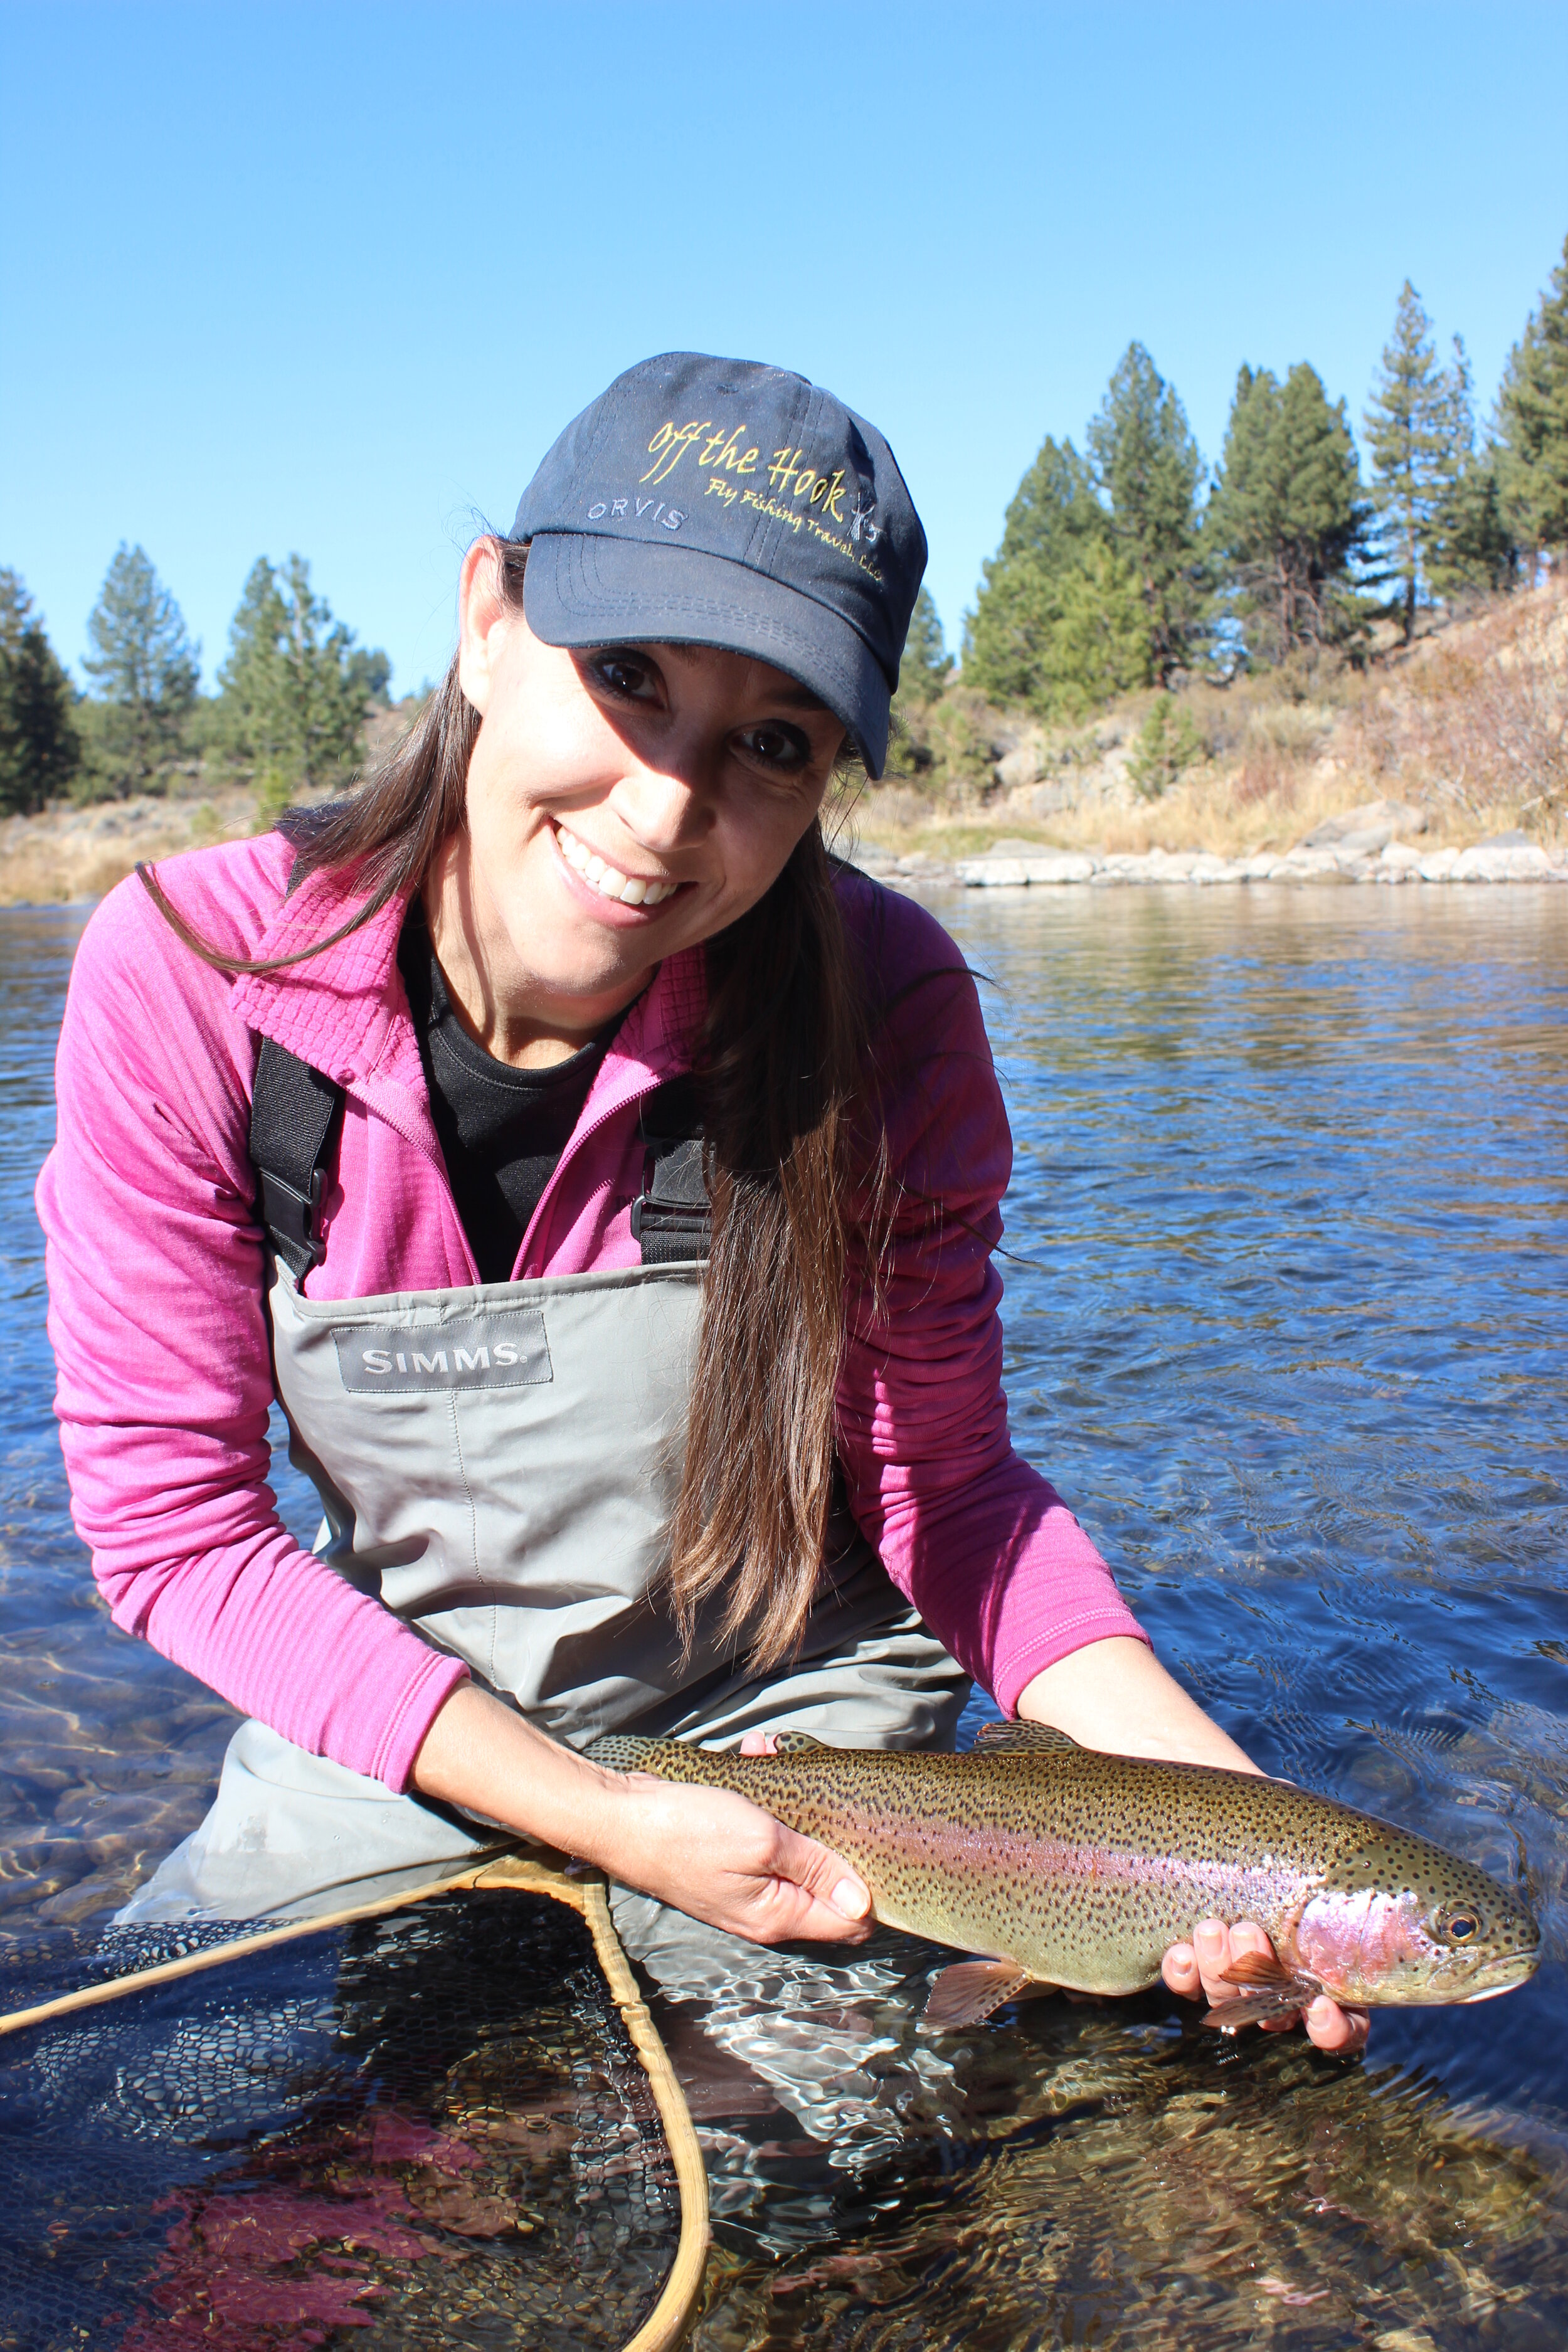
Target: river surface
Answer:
[[1285, 1322]]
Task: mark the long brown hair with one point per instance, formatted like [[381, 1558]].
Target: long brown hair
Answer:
[[783, 1066]]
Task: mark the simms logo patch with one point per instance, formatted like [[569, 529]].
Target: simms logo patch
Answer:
[[507, 1351]]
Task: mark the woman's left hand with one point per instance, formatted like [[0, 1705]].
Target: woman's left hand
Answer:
[[1115, 1695], [1200, 1967]]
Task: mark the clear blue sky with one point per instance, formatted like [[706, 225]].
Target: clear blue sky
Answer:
[[332, 277]]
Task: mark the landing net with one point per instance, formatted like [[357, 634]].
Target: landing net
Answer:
[[447, 2124]]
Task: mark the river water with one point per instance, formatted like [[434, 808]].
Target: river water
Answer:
[[1285, 1320]]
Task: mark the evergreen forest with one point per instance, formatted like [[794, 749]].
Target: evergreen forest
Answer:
[[1131, 566]]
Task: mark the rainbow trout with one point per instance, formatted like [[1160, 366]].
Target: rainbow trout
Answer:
[[1075, 1869]]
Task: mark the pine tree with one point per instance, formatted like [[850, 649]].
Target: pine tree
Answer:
[[294, 687], [1059, 622], [1286, 517], [1149, 469], [1532, 423], [927, 665], [39, 747], [1472, 546], [145, 674], [1414, 433]]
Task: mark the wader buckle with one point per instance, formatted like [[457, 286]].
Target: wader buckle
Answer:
[[295, 1113], [671, 1224], [291, 1217]]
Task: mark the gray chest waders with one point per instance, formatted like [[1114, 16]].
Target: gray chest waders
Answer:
[[497, 1465]]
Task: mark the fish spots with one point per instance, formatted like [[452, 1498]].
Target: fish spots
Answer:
[[1083, 1867]]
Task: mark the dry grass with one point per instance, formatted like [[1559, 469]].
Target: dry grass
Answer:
[[70, 853], [1477, 721], [1471, 725]]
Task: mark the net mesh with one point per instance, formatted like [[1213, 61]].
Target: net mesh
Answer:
[[423, 2130]]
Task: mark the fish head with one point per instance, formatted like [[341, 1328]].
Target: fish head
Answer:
[[1402, 1921]]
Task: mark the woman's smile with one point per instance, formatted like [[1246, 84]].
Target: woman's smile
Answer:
[[646, 891]]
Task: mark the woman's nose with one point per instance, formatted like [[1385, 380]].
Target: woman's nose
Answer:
[[665, 809]]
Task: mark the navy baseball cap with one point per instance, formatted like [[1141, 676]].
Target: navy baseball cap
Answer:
[[719, 502]]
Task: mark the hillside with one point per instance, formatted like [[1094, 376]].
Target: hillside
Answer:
[[1460, 738], [1467, 728]]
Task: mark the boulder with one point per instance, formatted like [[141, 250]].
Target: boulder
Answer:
[[1060, 793], [1021, 766], [1366, 844], [995, 872], [1384, 818], [1505, 860], [1304, 864]]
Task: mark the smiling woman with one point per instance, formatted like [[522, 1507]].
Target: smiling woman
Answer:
[[605, 1182]]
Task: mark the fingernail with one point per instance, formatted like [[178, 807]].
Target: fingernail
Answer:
[[850, 1900]]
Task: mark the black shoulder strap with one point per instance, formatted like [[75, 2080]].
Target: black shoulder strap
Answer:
[[294, 1113], [670, 1218]]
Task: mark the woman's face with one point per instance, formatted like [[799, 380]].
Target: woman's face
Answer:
[[623, 802]]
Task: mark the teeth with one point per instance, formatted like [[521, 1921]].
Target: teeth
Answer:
[[631, 891]]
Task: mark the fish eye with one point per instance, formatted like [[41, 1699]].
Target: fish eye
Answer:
[[1460, 1926]]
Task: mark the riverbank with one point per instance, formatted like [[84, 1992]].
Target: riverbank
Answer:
[[1365, 846], [1443, 762], [68, 853]]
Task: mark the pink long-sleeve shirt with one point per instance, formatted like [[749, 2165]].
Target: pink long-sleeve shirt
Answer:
[[156, 1285]]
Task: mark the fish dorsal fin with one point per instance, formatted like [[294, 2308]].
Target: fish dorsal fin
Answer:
[[797, 1743], [1043, 1737]]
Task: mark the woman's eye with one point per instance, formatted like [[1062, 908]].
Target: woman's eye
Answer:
[[777, 746], [623, 674]]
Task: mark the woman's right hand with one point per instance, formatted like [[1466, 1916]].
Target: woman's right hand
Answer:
[[721, 1858], [705, 1851]]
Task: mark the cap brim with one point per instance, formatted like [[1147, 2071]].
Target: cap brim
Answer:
[[583, 588]]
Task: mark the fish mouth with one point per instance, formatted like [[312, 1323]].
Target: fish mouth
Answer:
[[1512, 1969]]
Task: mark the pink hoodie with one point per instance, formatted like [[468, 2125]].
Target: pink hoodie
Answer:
[[156, 1273]]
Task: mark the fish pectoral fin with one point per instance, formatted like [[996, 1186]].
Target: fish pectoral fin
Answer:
[[1261, 1970], [1256, 2008], [1044, 1737], [1268, 1990], [967, 1992]]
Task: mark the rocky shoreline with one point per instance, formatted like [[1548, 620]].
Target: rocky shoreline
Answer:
[[1368, 845]]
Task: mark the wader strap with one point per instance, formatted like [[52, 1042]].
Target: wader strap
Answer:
[[671, 1222], [294, 1112]]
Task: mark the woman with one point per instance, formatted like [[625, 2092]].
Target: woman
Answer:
[[606, 1186]]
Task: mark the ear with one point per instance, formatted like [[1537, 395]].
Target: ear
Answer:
[[482, 617]]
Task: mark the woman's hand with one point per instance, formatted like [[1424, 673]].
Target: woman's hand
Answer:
[[721, 1858], [1116, 1696], [707, 1852], [1199, 1967]]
